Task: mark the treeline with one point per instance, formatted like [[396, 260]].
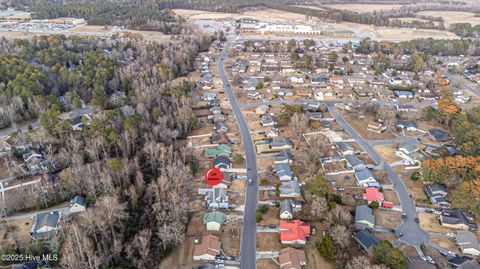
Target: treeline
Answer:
[[141, 16], [135, 176], [429, 46], [465, 29]]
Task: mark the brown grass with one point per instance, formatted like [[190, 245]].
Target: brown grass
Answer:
[[364, 8], [453, 16], [387, 218]]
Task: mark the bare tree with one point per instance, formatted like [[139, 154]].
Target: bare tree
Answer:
[[319, 206]]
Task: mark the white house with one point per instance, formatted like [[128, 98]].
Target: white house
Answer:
[[78, 204]]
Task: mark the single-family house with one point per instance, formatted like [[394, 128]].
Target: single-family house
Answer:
[[336, 81], [318, 81], [364, 219], [409, 153], [406, 124], [470, 264], [217, 198], [458, 261], [286, 209], [219, 138], [366, 240], [438, 135], [271, 132], [254, 95], [283, 172], [468, 243], [290, 189], [267, 120], [403, 94], [209, 96], [220, 127], [376, 127], [344, 148], [283, 157], [280, 143], [78, 204], [437, 193], [215, 110], [222, 163], [208, 249], [214, 220], [220, 150], [373, 194], [296, 80], [294, 232], [46, 224], [355, 163], [419, 263], [365, 178], [79, 121], [456, 219], [261, 109], [292, 258], [285, 92]]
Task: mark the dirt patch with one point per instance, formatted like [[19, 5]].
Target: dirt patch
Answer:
[[181, 256], [415, 188], [271, 217], [445, 242], [388, 152], [391, 196], [431, 222], [268, 242], [360, 125], [387, 218], [266, 264]]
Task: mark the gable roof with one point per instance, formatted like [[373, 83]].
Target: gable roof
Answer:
[[363, 213], [290, 187], [210, 246], [215, 216], [467, 240], [282, 156], [363, 175], [283, 170], [286, 206], [294, 230], [291, 258], [373, 194], [79, 200], [354, 161], [366, 239]]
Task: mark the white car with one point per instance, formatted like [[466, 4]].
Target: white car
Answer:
[[430, 260]]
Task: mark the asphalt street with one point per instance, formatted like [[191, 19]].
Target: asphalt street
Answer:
[[412, 232], [249, 229]]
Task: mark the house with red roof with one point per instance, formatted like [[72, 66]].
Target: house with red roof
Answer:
[[336, 80], [294, 232], [373, 194]]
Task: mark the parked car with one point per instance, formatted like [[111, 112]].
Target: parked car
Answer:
[[404, 217], [417, 220], [428, 211], [430, 260], [341, 189], [399, 234]]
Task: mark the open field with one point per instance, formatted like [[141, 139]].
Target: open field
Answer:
[[453, 16], [410, 19], [311, 7], [387, 218], [265, 15], [364, 8]]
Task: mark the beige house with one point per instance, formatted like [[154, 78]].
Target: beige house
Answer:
[[207, 249]]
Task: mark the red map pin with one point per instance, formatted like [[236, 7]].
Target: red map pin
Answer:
[[213, 176]]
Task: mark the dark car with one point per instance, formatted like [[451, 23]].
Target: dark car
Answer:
[[428, 211], [399, 234], [404, 217], [417, 220]]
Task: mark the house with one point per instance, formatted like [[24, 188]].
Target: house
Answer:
[[215, 110], [220, 150], [336, 81], [456, 219], [285, 92], [437, 193], [366, 240], [365, 178], [344, 148], [261, 109], [214, 220], [364, 219], [208, 249], [286, 210], [294, 232], [318, 80], [470, 264], [290, 189], [355, 163], [283, 157], [220, 127], [222, 162], [79, 121], [217, 198], [419, 263], [267, 120], [376, 127], [271, 132], [315, 116], [46, 224], [373, 194], [458, 260], [283, 172], [410, 155], [406, 124], [209, 96], [280, 143], [468, 243], [219, 138], [438, 135], [254, 95], [403, 94], [292, 258], [78, 204], [296, 80]]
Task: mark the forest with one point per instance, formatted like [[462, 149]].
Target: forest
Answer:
[[130, 166]]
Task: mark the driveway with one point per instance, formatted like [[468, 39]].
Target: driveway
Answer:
[[249, 229]]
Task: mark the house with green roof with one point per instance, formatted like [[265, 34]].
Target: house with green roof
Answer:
[[214, 220], [220, 150]]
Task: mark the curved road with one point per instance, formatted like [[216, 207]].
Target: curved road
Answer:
[[413, 234], [249, 230]]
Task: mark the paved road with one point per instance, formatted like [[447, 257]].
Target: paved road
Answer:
[[249, 229], [412, 233], [330, 102], [400, 139], [464, 84]]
